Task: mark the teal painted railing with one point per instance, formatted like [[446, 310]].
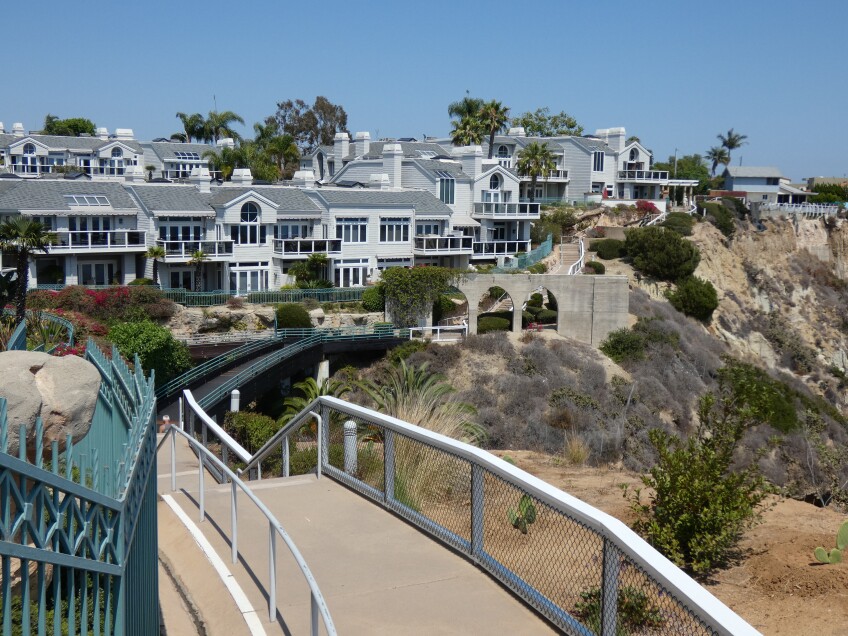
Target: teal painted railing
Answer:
[[34, 316], [211, 367], [83, 517], [530, 258], [17, 341], [317, 337]]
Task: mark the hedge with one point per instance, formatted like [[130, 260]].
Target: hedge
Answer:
[[596, 267], [292, 316], [608, 249], [546, 317], [486, 325]]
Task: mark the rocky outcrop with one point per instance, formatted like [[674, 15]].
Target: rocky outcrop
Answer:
[[61, 391], [190, 321]]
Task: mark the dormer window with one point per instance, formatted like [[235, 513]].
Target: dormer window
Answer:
[[495, 182], [248, 231], [29, 149], [634, 155], [116, 163], [503, 152]]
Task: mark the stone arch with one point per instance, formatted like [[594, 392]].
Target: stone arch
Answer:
[[548, 299], [456, 315], [588, 307], [484, 302]]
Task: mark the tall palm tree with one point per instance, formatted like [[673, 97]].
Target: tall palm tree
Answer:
[[194, 125], [718, 155], [197, 259], [466, 131], [731, 141], [494, 117], [219, 125], [466, 107], [224, 160], [155, 252], [535, 161], [283, 151], [24, 237]]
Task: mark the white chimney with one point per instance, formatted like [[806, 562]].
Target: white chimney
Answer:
[[201, 178], [102, 133], [341, 148], [18, 129], [392, 163], [242, 176], [134, 174], [517, 131], [124, 134], [361, 143], [303, 178], [472, 160], [2, 128], [379, 182], [614, 137], [226, 142]]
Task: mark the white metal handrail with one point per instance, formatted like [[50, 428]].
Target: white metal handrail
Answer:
[[438, 330], [318, 604], [697, 599], [577, 267]]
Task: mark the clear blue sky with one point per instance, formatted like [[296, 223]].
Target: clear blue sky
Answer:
[[673, 73]]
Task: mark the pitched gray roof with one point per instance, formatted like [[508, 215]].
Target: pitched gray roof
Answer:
[[173, 198], [409, 148], [287, 199], [166, 150], [454, 169], [592, 145], [74, 144], [418, 199], [43, 194], [754, 171]]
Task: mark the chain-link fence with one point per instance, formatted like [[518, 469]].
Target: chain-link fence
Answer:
[[584, 571]]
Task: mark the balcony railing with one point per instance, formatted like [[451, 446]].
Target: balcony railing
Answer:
[[500, 248], [91, 240], [305, 246], [506, 209], [183, 250], [643, 175], [443, 244]]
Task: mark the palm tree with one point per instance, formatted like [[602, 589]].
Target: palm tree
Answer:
[[155, 252], [317, 264], [466, 107], [718, 155], [197, 259], [494, 117], [309, 392], [535, 161], [466, 132], [194, 126], [731, 141], [219, 125], [224, 160], [24, 237], [283, 152]]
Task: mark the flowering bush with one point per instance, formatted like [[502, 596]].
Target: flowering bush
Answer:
[[131, 304], [646, 207], [64, 350]]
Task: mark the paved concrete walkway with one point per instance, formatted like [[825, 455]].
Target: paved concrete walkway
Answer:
[[378, 574]]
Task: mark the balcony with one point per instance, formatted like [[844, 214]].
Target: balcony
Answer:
[[92, 241], [426, 245], [303, 247], [506, 210], [488, 249], [181, 251], [654, 176]]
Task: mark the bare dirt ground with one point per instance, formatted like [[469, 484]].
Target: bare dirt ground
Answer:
[[776, 585]]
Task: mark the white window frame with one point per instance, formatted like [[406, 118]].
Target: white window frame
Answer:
[[352, 230], [598, 161], [394, 230]]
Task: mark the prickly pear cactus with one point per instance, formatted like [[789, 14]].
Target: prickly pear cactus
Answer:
[[524, 516], [823, 556], [842, 536]]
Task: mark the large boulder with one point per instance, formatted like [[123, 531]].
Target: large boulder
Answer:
[[62, 391]]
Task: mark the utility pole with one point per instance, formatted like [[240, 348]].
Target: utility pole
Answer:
[[675, 163]]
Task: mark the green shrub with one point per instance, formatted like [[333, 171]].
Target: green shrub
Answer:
[[536, 300], [700, 504], [403, 351], [250, 429], [720, 216], [661, 253], [538, 268], [608, 249], [533, 311], [292, 316], [679, 222], [442, 305], [636, 612], [141, 281], [694, 297], [486, 325], [596, 267], [156, 347], [552, 302], [624, 345], [506, 315], [546, 317], [374, 299], [741, 210], [496, 292]]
